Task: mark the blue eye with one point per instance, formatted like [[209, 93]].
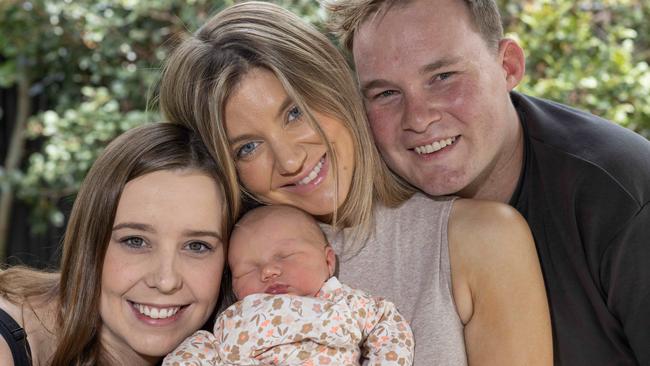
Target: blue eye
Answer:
[[133, 242], [198, 247], [246, 149], [294, 114]]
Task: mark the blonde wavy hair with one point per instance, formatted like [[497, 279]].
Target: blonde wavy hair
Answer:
[[201, 73]]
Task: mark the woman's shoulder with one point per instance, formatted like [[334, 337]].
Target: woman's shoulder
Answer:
[[495, 274], [6, 358], [38, 320], [474, 214], [41, 310], [485, 238], [12, 311], [478, 226]]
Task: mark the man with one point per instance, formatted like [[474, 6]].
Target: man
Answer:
[[437, 78]]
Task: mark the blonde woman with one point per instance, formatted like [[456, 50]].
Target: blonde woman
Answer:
[[278, 107], [143, 257]]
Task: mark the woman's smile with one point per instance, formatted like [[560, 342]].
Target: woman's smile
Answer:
[[310, 179], [157, 315]]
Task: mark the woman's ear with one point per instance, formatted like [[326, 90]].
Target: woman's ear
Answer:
[[330, 259], [513, 61]]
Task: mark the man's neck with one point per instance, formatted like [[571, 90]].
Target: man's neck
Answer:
[[500, 182], [498, 189]]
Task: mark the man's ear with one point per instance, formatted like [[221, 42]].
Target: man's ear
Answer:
[[330, 259], [513, 62]]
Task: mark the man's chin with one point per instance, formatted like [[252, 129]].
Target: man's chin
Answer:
[[433, 188]]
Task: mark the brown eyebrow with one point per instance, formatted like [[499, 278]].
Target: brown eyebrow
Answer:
[[377, 83], [285, 104], [133, 225], [213, 234], [240, 138], [150, 229], [439, 64]]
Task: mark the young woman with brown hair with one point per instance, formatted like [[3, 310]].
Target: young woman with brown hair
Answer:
[[142, 259]]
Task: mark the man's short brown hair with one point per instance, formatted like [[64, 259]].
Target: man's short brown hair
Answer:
[[346, 16]]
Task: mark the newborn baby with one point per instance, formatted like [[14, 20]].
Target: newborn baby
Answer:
[[292, 310]]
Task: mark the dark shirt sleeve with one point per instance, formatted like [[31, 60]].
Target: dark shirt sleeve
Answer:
[[626, 276]]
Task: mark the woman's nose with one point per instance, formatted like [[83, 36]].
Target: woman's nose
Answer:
[[165, 275], [289, 156]]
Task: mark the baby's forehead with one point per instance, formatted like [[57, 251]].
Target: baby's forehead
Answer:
[[276, 216], [281, 221]]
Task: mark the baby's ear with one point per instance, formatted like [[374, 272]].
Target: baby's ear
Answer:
[[330, 259]]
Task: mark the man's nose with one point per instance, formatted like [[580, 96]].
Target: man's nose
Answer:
[[419, 112]]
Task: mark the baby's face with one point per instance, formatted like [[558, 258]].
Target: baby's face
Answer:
[[279, 252]]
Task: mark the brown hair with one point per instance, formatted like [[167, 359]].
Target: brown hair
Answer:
[[137, 152], [346, 16], [202, 72]]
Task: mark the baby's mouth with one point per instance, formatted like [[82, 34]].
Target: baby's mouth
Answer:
[[277, 289]]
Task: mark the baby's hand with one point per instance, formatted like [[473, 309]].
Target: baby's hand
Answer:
[[199, 349]]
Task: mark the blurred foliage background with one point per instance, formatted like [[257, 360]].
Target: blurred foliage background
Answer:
[[74, 74]]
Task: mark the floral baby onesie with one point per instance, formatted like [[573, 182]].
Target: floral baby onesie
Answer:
[[337, 327]]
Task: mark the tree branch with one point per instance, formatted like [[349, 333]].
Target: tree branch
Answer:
[[14, 153]]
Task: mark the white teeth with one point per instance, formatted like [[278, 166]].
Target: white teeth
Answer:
[[437, 145], [313, 174], [156, 313]]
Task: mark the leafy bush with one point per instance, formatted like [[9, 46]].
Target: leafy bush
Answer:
[[586, 54]]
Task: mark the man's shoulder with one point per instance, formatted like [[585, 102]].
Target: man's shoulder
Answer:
[[562, 137], [575, 131]]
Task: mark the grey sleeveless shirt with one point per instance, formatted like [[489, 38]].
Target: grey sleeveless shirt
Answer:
[[406, 261]]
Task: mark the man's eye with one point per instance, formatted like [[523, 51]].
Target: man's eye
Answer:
[[444, 76], [294, 114], [198, 247], [385, 94], [133, 242], [246, 149]]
